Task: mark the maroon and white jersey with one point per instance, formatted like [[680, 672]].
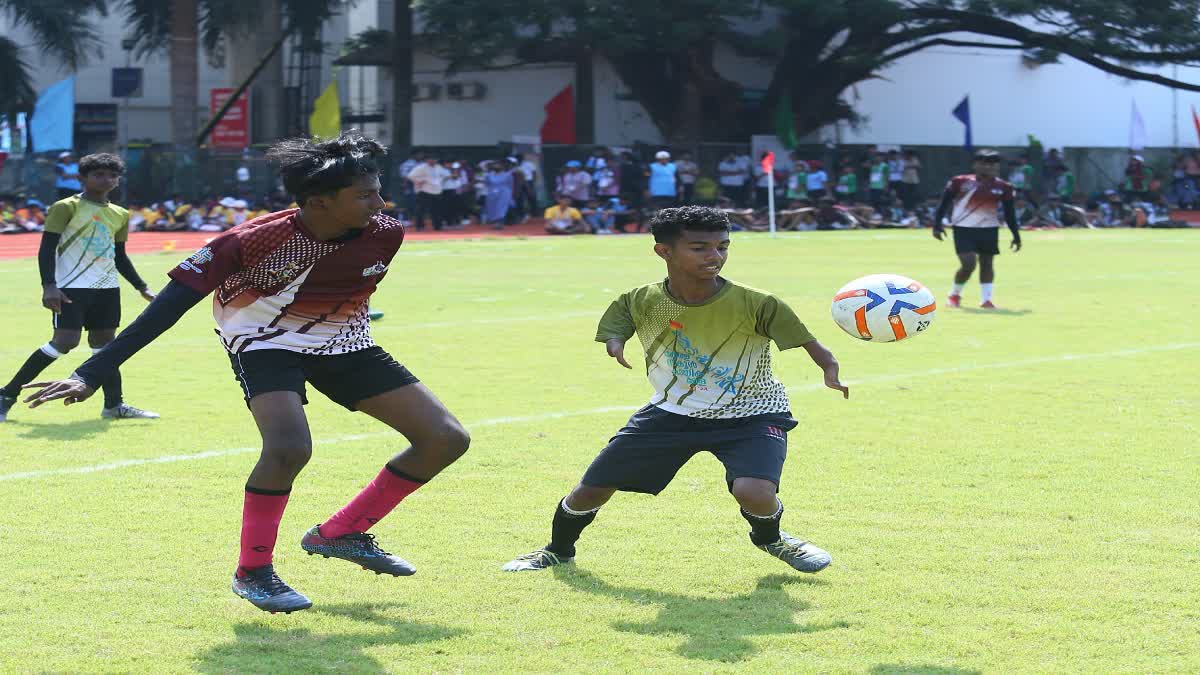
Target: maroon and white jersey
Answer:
[[977, 200], [276, 286]]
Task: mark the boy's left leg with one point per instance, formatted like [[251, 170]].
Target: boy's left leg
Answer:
[[987, 280], [115, 406], [753, 455], [437, 440]]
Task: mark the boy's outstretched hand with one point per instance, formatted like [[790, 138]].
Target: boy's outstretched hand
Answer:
[[70, 390], [832, 381], [828, 364], [616, 349]]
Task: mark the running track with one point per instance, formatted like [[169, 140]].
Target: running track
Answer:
[[16, 246]]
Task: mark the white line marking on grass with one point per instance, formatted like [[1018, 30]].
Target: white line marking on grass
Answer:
[[542, 417], [124, 463]]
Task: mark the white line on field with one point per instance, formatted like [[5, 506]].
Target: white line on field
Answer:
[[541, 417]]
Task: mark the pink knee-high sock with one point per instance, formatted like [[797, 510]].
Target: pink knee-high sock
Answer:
[[261, 513], [375, 501]]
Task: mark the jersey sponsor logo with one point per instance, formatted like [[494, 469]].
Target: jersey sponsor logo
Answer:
[[193, 263], [286, 273], [377, 268]]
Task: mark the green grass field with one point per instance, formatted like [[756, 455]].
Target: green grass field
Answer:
[[1011, 491]]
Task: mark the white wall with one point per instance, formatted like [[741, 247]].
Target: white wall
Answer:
[[1066, 104], [514, 104], [146, 117]]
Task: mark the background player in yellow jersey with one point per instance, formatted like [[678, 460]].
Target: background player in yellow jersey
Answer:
[[708, 357], [82, 251]]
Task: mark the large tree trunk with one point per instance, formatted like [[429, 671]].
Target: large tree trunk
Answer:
[[688, 100], [585, 98], [184, 73], [247, 45], [402, 80]]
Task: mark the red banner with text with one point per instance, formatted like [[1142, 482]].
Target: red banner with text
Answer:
[[233, 131]]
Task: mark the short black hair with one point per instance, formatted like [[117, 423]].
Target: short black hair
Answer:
[[311, 167], [101, 161], [668, 224]]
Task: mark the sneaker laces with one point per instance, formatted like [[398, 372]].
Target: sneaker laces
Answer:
[[276, 585], [271, 582], [368, 542], [541, 555], [793, 546]]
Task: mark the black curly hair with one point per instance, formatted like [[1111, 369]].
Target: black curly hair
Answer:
[[668, 224], [100, 161], [311, 167]]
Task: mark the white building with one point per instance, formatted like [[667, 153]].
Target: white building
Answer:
[[1066, 104]]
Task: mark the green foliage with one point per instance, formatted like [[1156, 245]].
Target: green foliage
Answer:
[[817, 48], [62, 29], [151, 29]]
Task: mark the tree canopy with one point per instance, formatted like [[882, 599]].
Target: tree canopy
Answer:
[[816, 49], [59, 28]]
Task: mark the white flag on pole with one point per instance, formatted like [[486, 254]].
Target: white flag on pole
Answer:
[[1137, 129]]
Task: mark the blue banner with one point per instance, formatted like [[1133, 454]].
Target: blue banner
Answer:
[[962, 112], [53, 123]]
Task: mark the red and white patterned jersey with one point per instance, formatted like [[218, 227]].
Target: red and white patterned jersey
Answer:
[[977, 200], [276, 286]]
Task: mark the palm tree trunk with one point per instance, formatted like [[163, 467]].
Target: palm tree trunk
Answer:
[[585, 98], [402, 80], [247, 45], [184, 73]]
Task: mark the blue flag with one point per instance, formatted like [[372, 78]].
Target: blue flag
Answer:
[[962, 112], [53, 123]]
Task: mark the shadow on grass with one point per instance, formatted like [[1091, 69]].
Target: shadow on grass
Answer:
[[910, 669], [262, 647], [716, 628], [998, 312], [58, 431]]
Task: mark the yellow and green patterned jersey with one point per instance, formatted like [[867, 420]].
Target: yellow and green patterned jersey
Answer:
[[711, 360], [86, 256]]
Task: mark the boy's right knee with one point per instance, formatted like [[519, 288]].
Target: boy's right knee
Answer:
[[586, 497], [288, 457]]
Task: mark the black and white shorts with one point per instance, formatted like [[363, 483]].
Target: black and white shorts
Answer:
[[90, 308], [345, 379], [654, 445]]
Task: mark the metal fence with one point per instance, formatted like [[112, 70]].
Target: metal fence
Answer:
[[158, 173]]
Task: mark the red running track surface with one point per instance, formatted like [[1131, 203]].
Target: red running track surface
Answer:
[[16, 246]]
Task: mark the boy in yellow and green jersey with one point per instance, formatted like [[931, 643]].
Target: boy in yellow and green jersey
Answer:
[[707, 343], [81, 254]]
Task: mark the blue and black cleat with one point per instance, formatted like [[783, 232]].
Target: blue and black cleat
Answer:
[[359, 548], [266, 591]]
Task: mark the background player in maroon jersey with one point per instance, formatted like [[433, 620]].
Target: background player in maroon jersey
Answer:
[[290, 292], [973, 203]]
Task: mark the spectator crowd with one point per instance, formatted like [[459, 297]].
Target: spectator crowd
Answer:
[[614, 191]]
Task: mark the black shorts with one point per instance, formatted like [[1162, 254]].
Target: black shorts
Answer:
[[981, 240], [90, 308], [650, 449], [345, 379]]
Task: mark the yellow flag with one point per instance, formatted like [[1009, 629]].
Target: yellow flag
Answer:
[[326, 118]]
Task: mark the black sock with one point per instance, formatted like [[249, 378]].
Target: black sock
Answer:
[[113, 395], [38, 361], [764, 529], [566, 530]]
